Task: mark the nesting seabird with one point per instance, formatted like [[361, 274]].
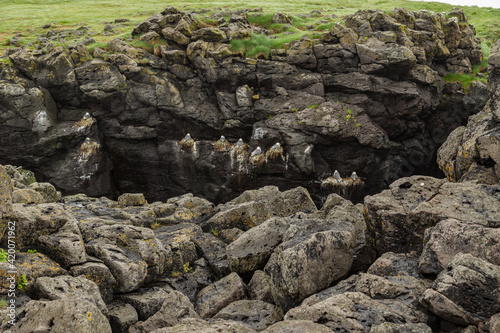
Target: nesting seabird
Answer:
[[240, 142], [354, 176], [336, 175], [257, 151], [276, 146], [187, 137], [222, 138], [86, 115]]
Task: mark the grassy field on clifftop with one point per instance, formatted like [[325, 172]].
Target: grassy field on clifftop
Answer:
[[25, 18]]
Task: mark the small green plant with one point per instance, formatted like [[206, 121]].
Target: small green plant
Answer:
[[350, 116], [214, 231], [464, 79], [295, 110], [92, 46], [3, 302], [314, 106], [187, 268], [22, 282], [3, 255], [32, 251], [175, 273], [270, 116]]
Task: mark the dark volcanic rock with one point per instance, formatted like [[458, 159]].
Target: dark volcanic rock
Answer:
[[471, 153], [398, 217], [367, 97], [466, 292]]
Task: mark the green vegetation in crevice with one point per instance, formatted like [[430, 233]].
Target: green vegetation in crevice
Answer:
[[464, 79], [22, 282], [3, 255]]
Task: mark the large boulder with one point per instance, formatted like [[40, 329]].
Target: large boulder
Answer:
[[450, 237], [199, 325], [350, 312], [306, 245], [466, 292], [397, 218], [174, 308], [256, 314], [133, 254], [62, 287], [62, 315], [218, 295]]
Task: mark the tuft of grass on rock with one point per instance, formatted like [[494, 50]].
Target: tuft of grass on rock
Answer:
[[464, 79]]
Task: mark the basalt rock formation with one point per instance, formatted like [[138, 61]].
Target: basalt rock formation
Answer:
[[472, 152], [366, 97]]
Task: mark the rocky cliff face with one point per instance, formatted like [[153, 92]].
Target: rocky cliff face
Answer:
[[472, 152], [366, 97]]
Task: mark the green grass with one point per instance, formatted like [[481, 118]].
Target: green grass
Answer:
[[464, 79], [28, 16], [3, 255]]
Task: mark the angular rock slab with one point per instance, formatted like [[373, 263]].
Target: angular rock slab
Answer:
[[450, 237], [218, 295], [256, 314], [63, 287], [348, 312], [297, 326], [307, 246], [122, 316], [397, 218], [252, 249], [467, 292], [62, 315], [146, 301], [175, 307], [133, 254], [199, 325]]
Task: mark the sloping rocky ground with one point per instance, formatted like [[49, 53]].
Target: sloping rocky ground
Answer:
[[421, 256], [366, 97]]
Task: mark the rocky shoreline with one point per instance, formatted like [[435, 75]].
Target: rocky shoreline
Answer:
[[276, 252]]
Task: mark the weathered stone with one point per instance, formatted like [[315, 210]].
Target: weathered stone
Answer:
[[216, 296], [297, 326], [199, 325], [33, 221], [398, 217], [260, 287], [401, 328], [174, 308], [146, 301], [306, 245], [450, 237], [133, 254], [349, 312], [121, 316], [209, 35], [252, 250], [132, 199], [466, 292], [395, 264], [62, 315], [98, 273], [66, 246], [174, 35], [63, 287], [256, 314]]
